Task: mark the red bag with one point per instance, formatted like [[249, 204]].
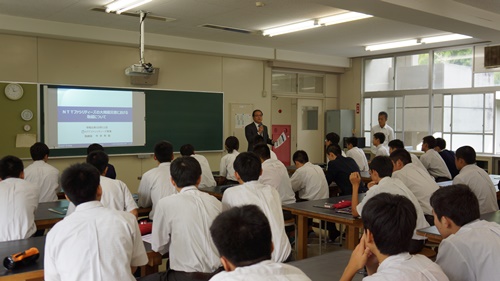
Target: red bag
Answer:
[[342, 204], [145, 228]]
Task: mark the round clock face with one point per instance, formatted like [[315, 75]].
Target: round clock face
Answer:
[[27, 115], [14, 91]]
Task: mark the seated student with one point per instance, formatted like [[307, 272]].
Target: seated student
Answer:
[[207, 178], [416, 179], [389, 221], [259, 140], [18, 201], [333, 138], [226, 163], [432, 161], [357, 154], [339, 169], [155, 183], [308, 179], [115, 193], [41, 174], [94, 243], [381, 172], [470, 248], [111, 173], [398, 144], [182, 222], [243, 238], [476, 178], [447, 155], [248, 169], [378, 142], [275, 174]]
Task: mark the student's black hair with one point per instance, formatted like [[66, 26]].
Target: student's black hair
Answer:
[[392, 220], [467, 153], [383, 113], [401, 154], [80, 182], [248, 166], [232, 144], [262, 151], [456, 202], [379, 136], [10, 167], [187, 150], [255, 111], [430, 141], [98, 159], [164, 151], [258, 139], [185, 171], [38, 151], [396, 144], [242, 235], [335, 149], [353, 141], [441, 143], [94, 147], [382, 165], [300, 156], [334, 138]]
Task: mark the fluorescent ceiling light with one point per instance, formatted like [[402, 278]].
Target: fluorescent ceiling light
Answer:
[[443, 38], [120, 6], [398, 44], [340, 18], [290, 28]]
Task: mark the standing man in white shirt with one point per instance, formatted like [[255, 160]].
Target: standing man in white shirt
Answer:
[[383, 128], [432, 161], [207, 178], [248, 169], [357, 154], [226, 163], [94, 243], [476, 178], [256, 128], [155, 183], [398, 144], [469, 250], [41, 174], [243, 238], [378, 142], [275, 174], [181, 225], [389, 221], [309, 179], [18, 201]]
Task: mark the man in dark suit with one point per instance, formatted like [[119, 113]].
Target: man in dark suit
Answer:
[[256, 128]]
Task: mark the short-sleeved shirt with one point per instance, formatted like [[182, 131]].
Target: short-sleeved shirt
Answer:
[[480, 183], [207, 178], [359, 157], [45, 177], [381, 150], [265, 270], [94, 243], [309, 180], [275, 174], [155, 184], [226, 165], [386, 130], [434, 164]]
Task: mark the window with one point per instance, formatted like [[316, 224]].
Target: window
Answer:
[[379, 75], [452, 69], [297, 83], [412, 72]]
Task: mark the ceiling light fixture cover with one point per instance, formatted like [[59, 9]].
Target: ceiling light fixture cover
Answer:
[[120, 6], [290, 28], [443, 38], [341, 18], [413, 42]]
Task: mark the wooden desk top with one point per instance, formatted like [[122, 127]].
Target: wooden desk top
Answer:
[[320, 268], [217, 191]]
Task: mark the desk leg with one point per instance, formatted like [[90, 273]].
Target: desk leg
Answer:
[[352, 237], [302, 237]]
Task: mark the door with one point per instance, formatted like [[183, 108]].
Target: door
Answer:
[[310, 128]]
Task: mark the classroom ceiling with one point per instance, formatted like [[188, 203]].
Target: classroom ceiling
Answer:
[[393, 20]]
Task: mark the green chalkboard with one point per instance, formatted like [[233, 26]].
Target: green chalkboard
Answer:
[[179, 117]]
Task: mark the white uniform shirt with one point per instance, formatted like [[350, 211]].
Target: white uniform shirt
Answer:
[[226, 165], [386, 130], [45, 177], [395, 186], [435, 164], [359, 156], [416, 161], [273, 155], [155, 184], [267, 198], [472, 254], [381, 150], [265, 270], [18, 203], [94, 243], [115, 195], [275, 174], [480, 183], [207, 178], [310, 181], [420, 183], [182, 228], [406, 267]]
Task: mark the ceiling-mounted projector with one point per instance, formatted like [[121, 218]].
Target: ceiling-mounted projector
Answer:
[[140, 70]]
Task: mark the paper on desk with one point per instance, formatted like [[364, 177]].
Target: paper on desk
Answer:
[[147, 238], [25, 140]]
